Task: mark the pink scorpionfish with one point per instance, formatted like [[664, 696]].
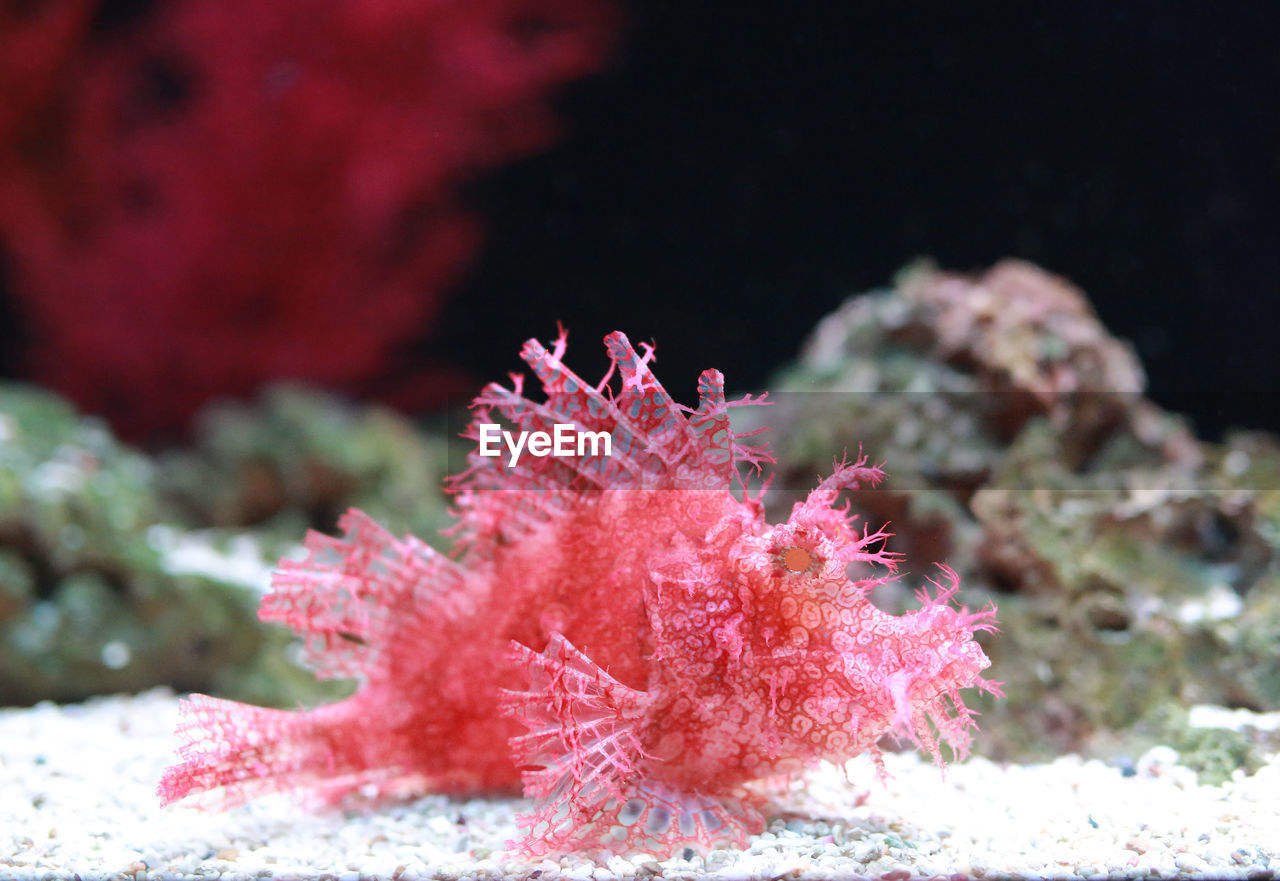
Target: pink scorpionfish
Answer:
[[622, 633]]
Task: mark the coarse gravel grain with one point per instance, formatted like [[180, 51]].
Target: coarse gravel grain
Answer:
[[77, 800]]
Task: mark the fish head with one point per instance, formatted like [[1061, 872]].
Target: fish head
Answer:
[[834, 671]]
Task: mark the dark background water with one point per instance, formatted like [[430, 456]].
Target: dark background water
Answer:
[[744, 166]]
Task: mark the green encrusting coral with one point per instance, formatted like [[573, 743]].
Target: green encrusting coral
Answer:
[[119, 572], [1136, 568], [298, 458]]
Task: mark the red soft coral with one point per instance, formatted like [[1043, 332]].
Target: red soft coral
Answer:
[[232, 191]]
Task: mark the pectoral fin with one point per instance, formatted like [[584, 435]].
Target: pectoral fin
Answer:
[[594, 785]]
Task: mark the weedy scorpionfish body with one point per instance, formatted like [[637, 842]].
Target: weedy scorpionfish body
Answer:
[[623, 634]]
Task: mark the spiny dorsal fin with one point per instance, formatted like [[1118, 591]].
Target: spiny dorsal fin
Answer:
[[653, 443]]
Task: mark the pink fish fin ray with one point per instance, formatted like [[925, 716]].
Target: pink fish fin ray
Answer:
[[760, 400], [561, 344], [585, 768], [232, 752], [652, 442], [693, 452], [355, 598], [581, 747], [602, 387], [755, 456], [720, 450]]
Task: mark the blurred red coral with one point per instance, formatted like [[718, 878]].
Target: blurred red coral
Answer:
[[225, 191]]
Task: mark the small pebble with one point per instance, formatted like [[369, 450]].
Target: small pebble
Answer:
[[868, 852]]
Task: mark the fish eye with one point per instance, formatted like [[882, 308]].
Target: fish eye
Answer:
[[796, 559]]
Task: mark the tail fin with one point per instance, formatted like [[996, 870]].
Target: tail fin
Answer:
[[247, 752], [368, 606]]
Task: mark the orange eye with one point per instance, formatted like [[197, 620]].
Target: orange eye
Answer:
[[796, 559]]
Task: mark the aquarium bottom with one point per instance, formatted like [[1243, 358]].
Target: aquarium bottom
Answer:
[[78, 786]]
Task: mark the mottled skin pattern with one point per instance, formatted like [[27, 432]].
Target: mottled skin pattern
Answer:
[[624, 635]]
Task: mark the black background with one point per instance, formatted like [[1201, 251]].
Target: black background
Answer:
[[744, 166]]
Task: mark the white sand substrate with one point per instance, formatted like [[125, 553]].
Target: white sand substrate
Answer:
[[77, 800]]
